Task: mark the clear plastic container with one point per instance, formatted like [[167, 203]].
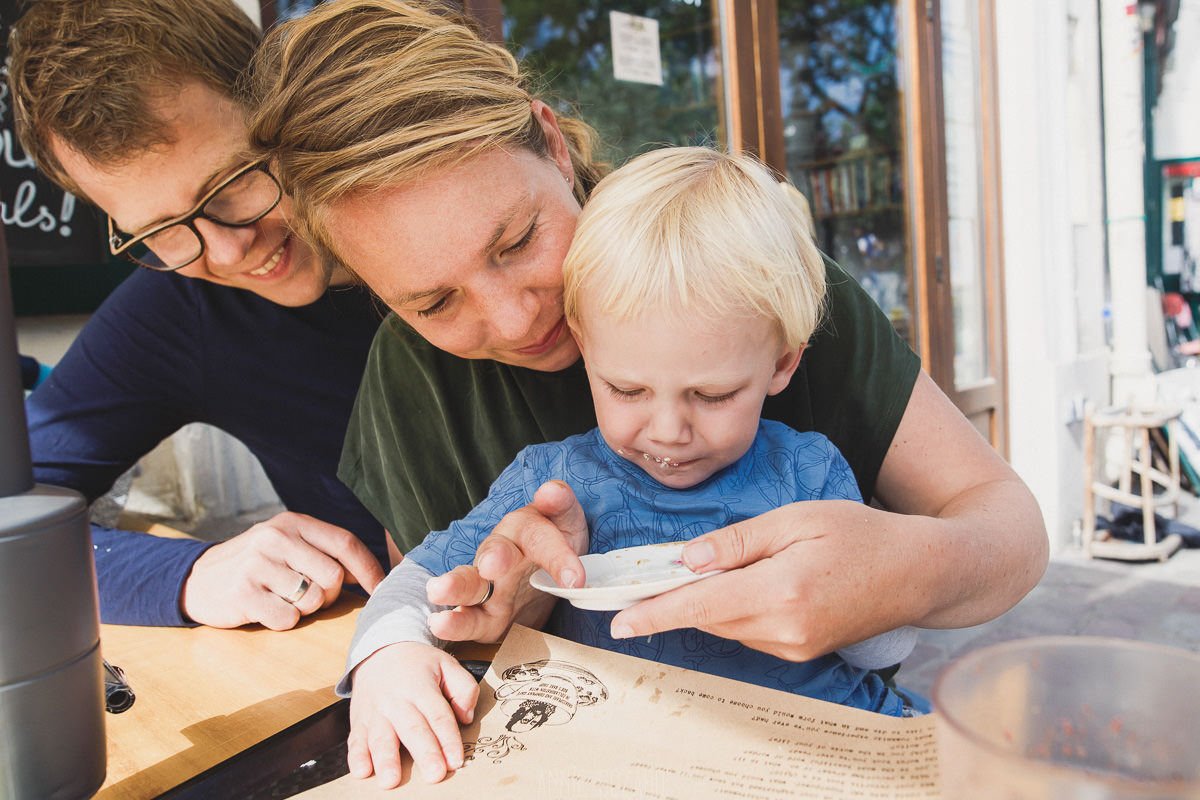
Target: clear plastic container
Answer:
[[1069, 718]]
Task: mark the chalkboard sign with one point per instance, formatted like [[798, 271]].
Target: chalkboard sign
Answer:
[[56, 248], [44, 225]]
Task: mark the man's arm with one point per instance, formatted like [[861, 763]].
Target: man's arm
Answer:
[[276, 572], [111, 399], [131, 378], [141, 576]]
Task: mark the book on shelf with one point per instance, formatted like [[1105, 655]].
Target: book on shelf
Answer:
[[861, 183]]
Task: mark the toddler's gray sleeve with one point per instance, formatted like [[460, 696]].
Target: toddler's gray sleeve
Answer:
[[883, 650], [398, 611]]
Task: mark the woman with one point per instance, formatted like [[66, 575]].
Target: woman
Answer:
[[422, 163]]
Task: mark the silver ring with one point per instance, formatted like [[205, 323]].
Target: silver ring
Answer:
[[486, 595], [301, 589]]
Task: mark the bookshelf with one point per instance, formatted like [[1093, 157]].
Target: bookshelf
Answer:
[[857, 202], [867, 182]]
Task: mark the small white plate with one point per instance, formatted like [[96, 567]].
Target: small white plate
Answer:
[[619, 578]]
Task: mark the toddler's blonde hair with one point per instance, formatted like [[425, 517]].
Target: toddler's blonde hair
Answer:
[[700, 232]]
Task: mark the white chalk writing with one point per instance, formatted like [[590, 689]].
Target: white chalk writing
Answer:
[[25, 209]]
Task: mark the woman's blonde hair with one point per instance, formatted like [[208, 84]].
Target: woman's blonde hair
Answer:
[[359, 95], [695, 231]]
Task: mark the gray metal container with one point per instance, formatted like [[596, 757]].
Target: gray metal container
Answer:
[[52, 741]]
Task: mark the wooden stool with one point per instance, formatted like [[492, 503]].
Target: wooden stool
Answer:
[[1133, 424]]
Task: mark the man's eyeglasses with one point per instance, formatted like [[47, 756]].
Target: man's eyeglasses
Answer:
[[243, 198]]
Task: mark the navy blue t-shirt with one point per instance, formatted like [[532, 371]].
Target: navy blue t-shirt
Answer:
[[164, 351]]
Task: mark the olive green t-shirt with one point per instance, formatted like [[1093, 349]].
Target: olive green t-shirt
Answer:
[[431, 431]]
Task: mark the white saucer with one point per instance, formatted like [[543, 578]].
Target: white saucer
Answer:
[[619, 578]]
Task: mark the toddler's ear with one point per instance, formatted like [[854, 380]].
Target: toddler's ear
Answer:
[[785, 367]]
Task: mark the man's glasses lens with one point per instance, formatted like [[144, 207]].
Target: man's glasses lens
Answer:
[[170, 248], [245, 199]]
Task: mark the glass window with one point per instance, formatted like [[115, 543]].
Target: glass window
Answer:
[[844, 138], [290, 9], [968, 277], [568, 45]]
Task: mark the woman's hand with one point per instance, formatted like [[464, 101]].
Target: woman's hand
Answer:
[[411, 695], [963, 542], [801, 581], [551, 533]]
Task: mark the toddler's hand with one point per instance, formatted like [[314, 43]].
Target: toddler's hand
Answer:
[[414, 695]]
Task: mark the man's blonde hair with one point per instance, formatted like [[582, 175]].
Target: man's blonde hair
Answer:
[[359, 95], [87, 72], [695, 231]]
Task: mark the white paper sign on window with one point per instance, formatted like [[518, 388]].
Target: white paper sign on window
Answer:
[[636, 54]]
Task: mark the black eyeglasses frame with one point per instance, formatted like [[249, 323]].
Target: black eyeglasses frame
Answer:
[[118, 246]]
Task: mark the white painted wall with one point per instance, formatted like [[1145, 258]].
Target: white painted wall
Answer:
[[1124, 152], [1052, 228], [252, 10], [1177, 114]]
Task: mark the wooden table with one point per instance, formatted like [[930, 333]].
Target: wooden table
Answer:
[[204, 695]]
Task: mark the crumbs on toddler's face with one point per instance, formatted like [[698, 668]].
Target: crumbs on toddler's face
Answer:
[[664, 461]]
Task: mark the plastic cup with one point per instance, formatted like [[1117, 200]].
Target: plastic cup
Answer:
[[1062, 718]]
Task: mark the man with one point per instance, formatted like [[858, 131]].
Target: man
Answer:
[[235, 322]]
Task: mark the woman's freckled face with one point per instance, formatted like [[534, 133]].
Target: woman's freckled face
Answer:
[[471, 257]]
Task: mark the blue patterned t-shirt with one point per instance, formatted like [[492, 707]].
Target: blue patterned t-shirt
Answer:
[[626, 507]]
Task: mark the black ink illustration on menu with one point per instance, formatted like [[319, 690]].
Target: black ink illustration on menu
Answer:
[[535, 694]]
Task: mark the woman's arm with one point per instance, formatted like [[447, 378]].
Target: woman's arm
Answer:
[[991, 547], [963, 541]]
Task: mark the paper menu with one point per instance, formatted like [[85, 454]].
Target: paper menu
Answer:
[[561, 720]]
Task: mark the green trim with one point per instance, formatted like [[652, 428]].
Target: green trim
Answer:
[[1185, 464], [1152, 185]]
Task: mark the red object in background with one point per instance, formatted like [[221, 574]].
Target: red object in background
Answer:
[[1174, 305], [1177, 310], [1184, 169]]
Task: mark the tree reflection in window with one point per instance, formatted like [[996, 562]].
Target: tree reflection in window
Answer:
[[843, 134], [568, 45]]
